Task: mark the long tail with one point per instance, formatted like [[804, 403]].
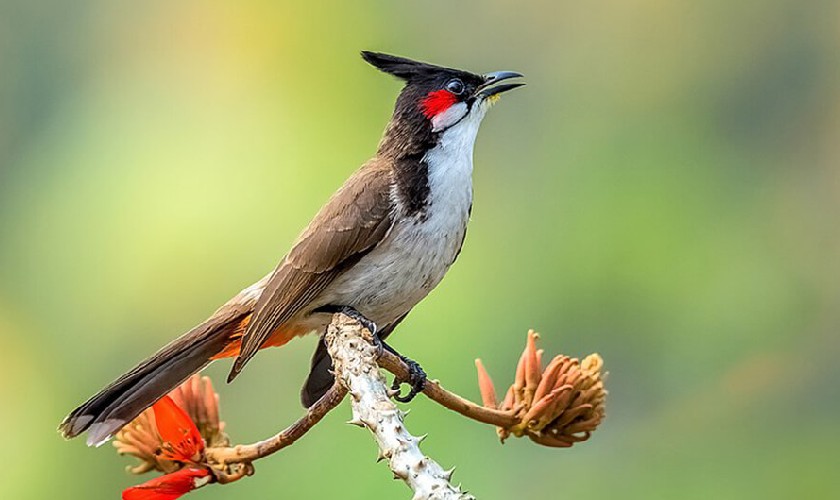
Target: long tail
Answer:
[[125, 398]]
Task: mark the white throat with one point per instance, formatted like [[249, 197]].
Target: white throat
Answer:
[[451, 164]]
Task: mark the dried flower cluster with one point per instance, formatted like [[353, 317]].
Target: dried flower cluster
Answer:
[[556, 406]]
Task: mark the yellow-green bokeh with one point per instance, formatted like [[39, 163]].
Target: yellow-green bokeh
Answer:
[[665, 191]]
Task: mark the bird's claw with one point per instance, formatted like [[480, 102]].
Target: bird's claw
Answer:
[[379, 345], [416, 379], [356, 315], [416, 375]]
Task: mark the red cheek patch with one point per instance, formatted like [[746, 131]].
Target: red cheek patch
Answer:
[[437, 102]]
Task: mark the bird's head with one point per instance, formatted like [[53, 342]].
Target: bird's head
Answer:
[[436, 99]]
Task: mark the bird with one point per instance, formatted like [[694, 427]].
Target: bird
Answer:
[[378, 246]]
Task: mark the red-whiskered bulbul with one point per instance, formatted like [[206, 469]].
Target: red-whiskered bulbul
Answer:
[[382, 242]]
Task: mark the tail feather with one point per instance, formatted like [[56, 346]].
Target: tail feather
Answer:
[[125, 398]]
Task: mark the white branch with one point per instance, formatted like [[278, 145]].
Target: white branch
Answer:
[[354, 362]]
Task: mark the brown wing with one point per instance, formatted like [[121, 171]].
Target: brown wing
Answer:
[[352, 223]]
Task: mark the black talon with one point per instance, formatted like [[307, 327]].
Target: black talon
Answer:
[[416, 378], [380, 346]]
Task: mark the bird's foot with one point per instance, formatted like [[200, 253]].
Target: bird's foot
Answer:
[[416, 375], [370, 325], [381, 346], [416, 379]]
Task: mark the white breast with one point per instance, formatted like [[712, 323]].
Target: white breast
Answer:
[[417, 252]]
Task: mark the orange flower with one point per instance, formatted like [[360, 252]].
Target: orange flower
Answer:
[[175, 430], [170, 486], [173, 436], [558, 406], [181, 440], [180, 443]]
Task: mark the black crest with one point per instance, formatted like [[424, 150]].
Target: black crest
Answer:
[[402, 67], [414, 71]]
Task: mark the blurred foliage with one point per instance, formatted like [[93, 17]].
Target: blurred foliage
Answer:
[[665, 192]]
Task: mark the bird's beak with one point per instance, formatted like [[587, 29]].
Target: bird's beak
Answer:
[[490, 88]]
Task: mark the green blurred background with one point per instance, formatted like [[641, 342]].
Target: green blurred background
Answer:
[[664, 192]]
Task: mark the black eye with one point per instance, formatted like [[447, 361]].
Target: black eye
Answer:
[[455, 86]]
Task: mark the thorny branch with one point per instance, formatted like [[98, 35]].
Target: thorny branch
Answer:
[[354, 359], [434, 390], [556, 407]]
